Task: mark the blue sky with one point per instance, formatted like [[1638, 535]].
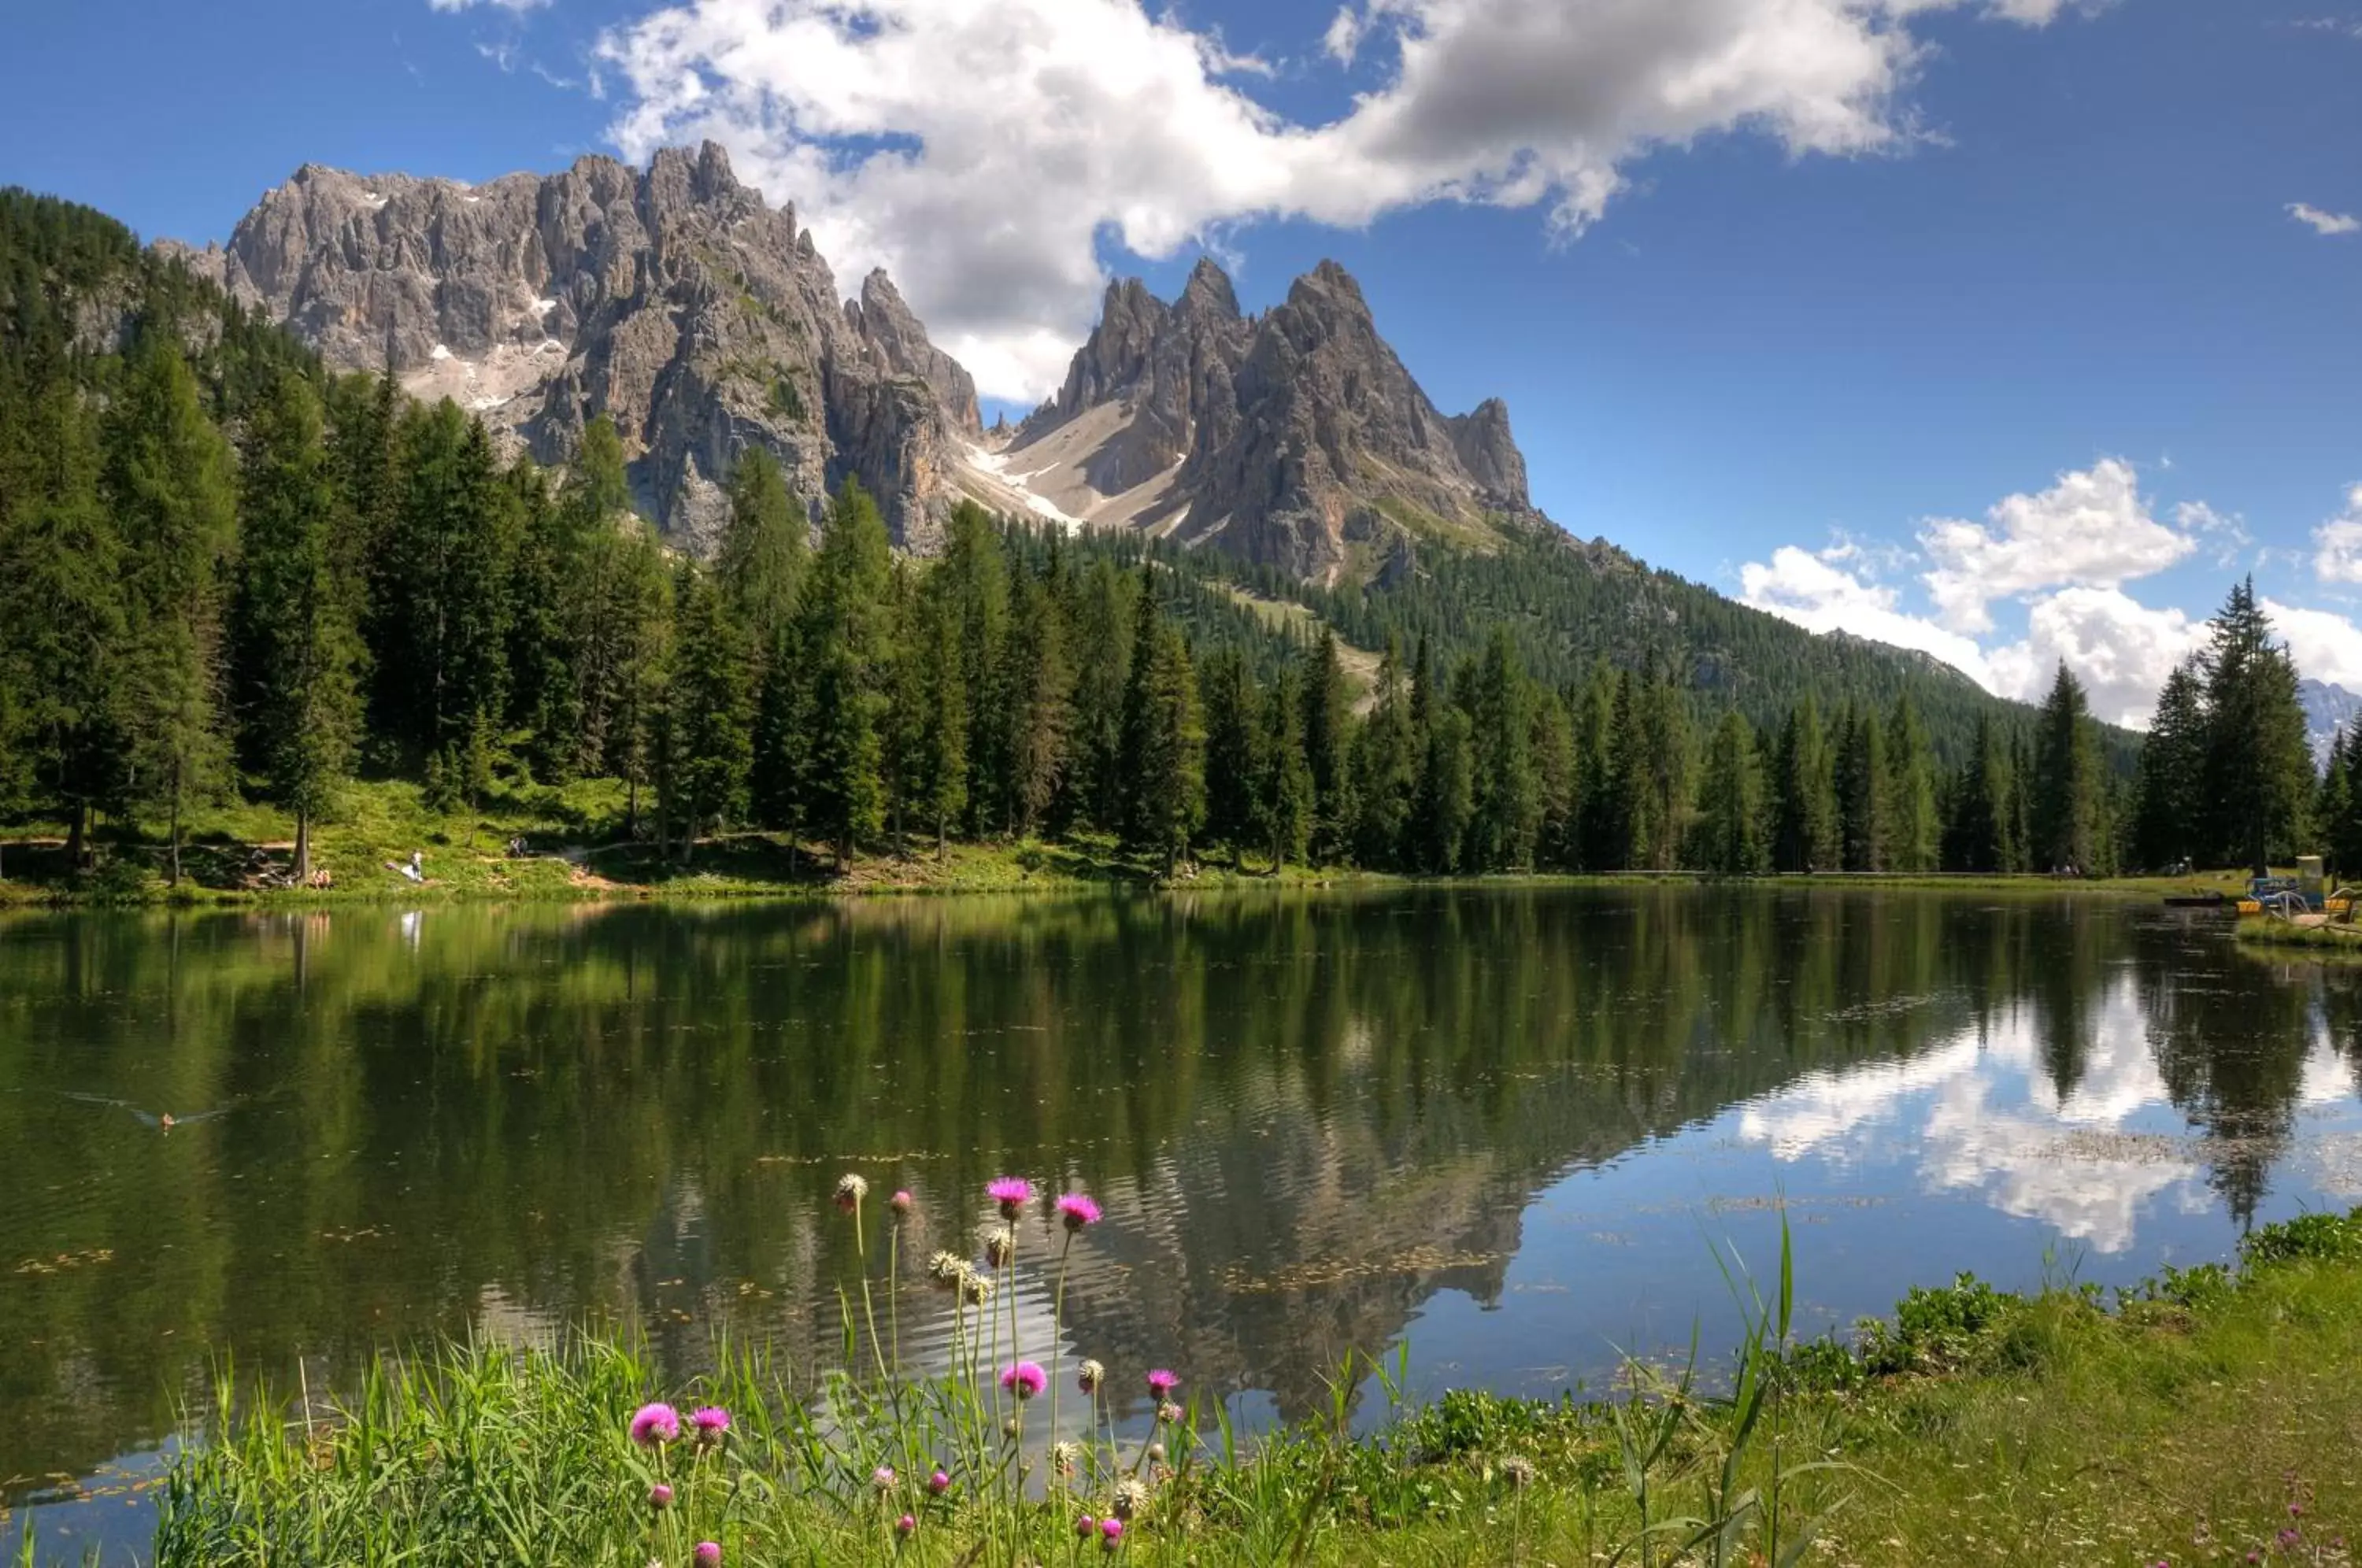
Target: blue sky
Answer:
[[1987, 325]]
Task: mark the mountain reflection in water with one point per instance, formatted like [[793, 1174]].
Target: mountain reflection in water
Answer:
[[1510, 1125]]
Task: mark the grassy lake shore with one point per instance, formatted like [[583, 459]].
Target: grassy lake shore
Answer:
[[2204, 1418], [575, 848]]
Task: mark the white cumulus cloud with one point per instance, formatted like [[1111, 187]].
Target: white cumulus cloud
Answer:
[[1818, 592], [2338, 543], [2065, 552], [2324, 223], [2121, 650], [449, 5], [2091, 529], [980, 152], [2326, 644]]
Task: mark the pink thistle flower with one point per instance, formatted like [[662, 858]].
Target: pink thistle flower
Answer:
[[1077, 1211], [905, 1525], [1085, 1526], [901, 1202], [1162, 1383], [660, 1497], [655, 1424], [1024, 1379], [711, 1420], [708, 1554], [883, 1478], [939, 1483], [1013, 1193], [1111, 1534]]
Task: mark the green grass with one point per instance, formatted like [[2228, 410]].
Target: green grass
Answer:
[[580, 849], [2198, 1420], [2327, 941]]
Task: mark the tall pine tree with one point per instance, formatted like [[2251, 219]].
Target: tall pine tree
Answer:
[[169, 482], [298, 647], [843, 640]]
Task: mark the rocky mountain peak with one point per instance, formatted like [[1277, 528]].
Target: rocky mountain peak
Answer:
[[1208, 291], [672, 300], [1485, 449], [1297, 438], [887, 324]]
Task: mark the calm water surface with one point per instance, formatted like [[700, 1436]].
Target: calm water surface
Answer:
[[1507, 1127]]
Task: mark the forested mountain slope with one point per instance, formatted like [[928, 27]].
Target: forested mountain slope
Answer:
[[227, 571]]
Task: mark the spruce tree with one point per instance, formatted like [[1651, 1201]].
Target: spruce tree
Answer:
[[2066, 790], [1860, 787], [1103, 618], [441, 600], [2018, 805], [1163, 745], [1506, 807], [2167, 820], [2259, 777], [170, 483], [1730, 801], [1447, 790], [766, 548], [1234, 732], [1285, 788], [974, 573], [1976, 835], [1659, 781], [1804, 809], [2341, 823], [1914, 827], [612, 606], [1599, 810], [708, 716], [1386, 756], [1327, 704], [939, 777], [1558, 832], [63, 616], [845, 640], [545, 577], [1036, 696], [297, 644]]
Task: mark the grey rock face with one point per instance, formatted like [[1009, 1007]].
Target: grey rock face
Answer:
[[671, 299], [1297, 441]]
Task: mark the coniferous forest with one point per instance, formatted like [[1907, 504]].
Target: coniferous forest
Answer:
[[225, 574]]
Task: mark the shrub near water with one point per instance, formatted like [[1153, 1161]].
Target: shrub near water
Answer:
[[2206, 1419]]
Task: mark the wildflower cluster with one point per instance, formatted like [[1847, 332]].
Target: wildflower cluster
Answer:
[[952, 1451]]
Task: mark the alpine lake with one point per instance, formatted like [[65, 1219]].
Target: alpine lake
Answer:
[[1517, 1129]]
